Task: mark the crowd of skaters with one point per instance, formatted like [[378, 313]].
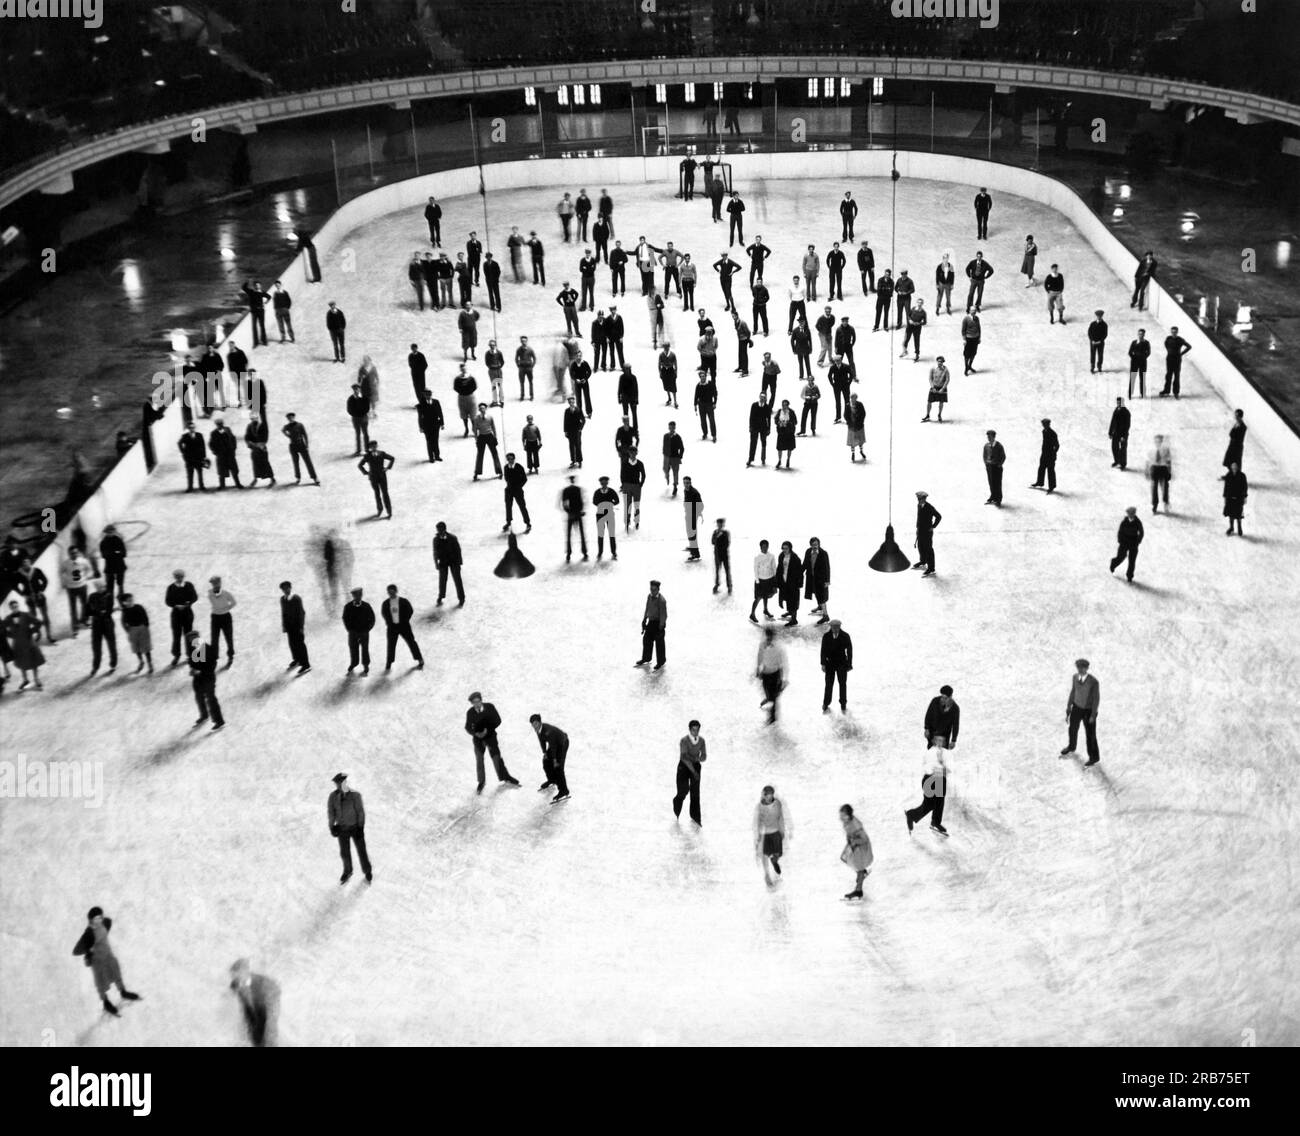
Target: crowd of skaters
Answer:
[[95, 597]]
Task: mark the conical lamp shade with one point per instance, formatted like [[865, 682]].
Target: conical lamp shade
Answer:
[[514, 564], [889, 557]]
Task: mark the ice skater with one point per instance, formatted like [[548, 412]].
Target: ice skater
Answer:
[[857, 852], [1082, 706], [934, 788], [1129, 538], [259, 1000], [481, 722], [347, 821], [692, 752], [202, 659], [605, 501], [837, 661], [1235, 490], [99, 956], [773, 826], [555, 748], [574, 508], [770, 671], [654, 623]]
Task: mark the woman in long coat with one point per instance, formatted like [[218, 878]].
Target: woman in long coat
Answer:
[[255, 437], [103, 964], [1234, 497], [136, 621], [1027, 261], [785, 422], [857, 852], [368, 378], [23, 631], [855, 418], [1236, 440]]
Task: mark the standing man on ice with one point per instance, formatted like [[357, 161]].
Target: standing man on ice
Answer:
[[555, 748]]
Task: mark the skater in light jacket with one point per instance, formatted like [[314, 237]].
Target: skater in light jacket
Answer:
[[857, 852], [773, 826]]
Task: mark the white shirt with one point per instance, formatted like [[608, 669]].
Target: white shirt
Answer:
[[773, 818], [797, 292], [764, 566], [1161, 455], [772, 658]]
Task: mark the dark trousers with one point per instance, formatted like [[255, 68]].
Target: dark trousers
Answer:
[[361, 433], [970, 348], [259, 326], [836, 283], [103, 631], [933, 789], [688, 295], [454, 570], [1139, 295], [539, 272], [629, 411], [1159, 484], [833, 675], [298, 647], [707, 422], [809, 413], [379, 486], [618, 280], [868, 280], [1079, 714], [687, 782], [1173, 377], [1048, 467], [730, 304], [516, 496], [570, 319], [882, 311], [737, 228], [191, 472], [494, 294], [488, 443], [303, 456], [571, 523], [492, 747], [1119, 450], [798, 310], [771, 692], [337, 340], [588, 297], [431, 440], [553, 769], [709, 364], [359, 648], [1125, 550], [284, 321], [582, 225], [525, 379], [182, 625], [975, 297], [847, 234], [533, 458], [722, 564], [347, 837], [755, 270], [224, 625], [757, 441], [768, 384], [114, 577], [403, 632], [760, 317], [205, 697], [1096, 353], [981, 226], [575, 448], [804, 361], [614, 349], [913, 335], [925, 549], [653, 637], [1141, 379], [995, 482]]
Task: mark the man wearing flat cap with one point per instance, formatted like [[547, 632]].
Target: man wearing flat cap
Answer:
[[927, 520], [653, 624], [358, 618], [347, 817], [1081, 706], [837, 661]]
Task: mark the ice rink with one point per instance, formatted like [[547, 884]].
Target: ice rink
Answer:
[[1148, 900]]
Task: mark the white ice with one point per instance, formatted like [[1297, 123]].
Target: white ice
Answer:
[[1148, 900]]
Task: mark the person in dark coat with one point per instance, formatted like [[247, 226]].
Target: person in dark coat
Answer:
[[481, 723], [1146, 272], [336, 324], [516, 477], [293, 622], [1120, 421], [574, 510], [22, 633], [103, 631], [194, 451], [555, 748], [978, 270], [259, 1001], [760, 428], [202, 659], [817, 578], [983, 206], [180, 597], [1047, 458], [1139, 351], [492, 281], [256, 438], [942, 720], [113, 550], [1235, 490], [299, 448], [397, 613], [789, 582], [927, 520], [692, 752], [1236, 440], [358, 619], [433, 215], [257, 301], [848, 214], [418, 365], [1175, 348], [1097, 332], [867, 267], [99, 956], [995, 457], [347, 820], [375, 465], [574, 421], [447, 560], [1129, 538], [629, 394], [224, 445], [837, 661], [429, 415]]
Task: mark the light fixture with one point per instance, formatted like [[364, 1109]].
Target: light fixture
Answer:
[[514, 564]]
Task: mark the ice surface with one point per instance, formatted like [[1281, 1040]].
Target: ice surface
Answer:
[[1148, 900]]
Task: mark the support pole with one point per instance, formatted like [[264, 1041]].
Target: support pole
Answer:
[[370, 156]]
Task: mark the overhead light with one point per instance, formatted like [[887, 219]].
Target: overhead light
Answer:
[[160, 82], [514, 564], [227, 254]]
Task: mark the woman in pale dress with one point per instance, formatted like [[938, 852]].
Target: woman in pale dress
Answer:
[[368, 378], [857, 852]]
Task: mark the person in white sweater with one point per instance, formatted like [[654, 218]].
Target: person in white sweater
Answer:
[[773, 826]]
